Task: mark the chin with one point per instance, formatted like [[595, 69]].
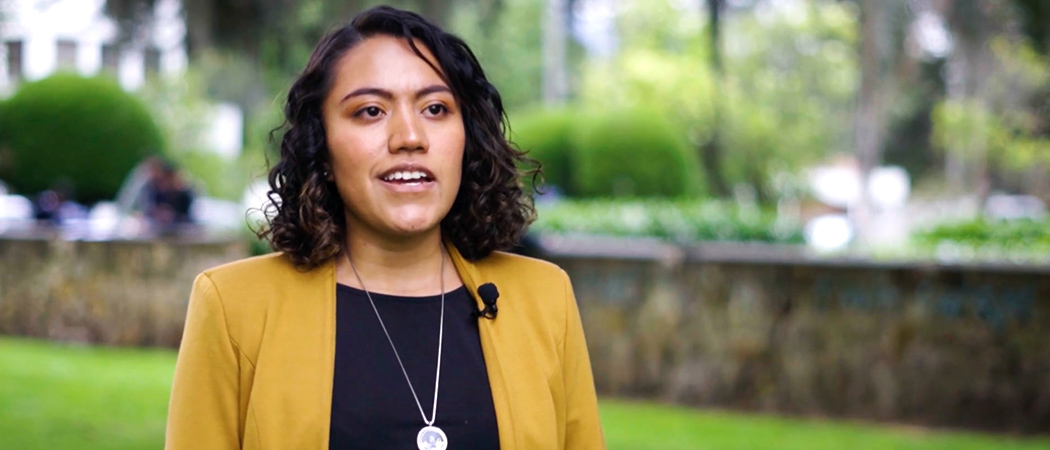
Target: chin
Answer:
[[415, 225]]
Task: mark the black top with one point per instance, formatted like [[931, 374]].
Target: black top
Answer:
[[372, 406]]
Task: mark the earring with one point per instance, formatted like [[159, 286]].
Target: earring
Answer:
[[327, 173]]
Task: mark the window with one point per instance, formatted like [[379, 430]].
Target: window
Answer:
[[14, 60], [111, 59], [67, 54], [152, 58]]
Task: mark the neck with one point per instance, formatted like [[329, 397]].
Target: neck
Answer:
[[409, 266]]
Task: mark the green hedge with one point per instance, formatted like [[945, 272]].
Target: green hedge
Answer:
[[5, 151], [632, 153], [547, 136], [679, 220], [1024, 239], [84, 130]]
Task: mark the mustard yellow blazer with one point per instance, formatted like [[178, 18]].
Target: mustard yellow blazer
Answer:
[[257, 358]]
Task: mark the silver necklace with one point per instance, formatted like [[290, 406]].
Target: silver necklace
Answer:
[[429, 437]]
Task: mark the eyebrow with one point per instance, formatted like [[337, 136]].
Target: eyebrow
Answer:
[[385, 94]]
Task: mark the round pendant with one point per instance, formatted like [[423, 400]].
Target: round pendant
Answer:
[[431, 438]]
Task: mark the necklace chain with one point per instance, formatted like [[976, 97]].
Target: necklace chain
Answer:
[[441, 334]]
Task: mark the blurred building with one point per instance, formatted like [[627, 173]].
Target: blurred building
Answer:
[[41, 37]]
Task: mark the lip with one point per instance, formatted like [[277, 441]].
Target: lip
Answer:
[[408, 168], [408, 187]]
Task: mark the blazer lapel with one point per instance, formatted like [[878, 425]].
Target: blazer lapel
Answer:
[[490, 339]]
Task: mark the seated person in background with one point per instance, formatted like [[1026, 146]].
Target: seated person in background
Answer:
[[55, 205], [168, 196]]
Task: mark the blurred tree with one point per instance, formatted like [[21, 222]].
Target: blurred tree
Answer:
[[711, 151], [247, 25], [876, 54], [1035, 21], [507, 38], [274, 36], [1004, 132], [788, 85], [556, 26], [792, 79], [970, 69], [250, 50]]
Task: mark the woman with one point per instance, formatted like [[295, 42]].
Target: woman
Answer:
[[377, 324]]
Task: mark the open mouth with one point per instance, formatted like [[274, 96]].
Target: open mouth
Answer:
[[407, 176]]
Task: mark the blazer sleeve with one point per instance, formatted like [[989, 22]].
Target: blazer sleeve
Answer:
[[583, 428], [203, 412]]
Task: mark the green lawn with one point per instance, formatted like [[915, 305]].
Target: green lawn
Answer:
[[54, 396]]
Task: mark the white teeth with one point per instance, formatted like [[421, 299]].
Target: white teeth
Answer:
[[414, 175]]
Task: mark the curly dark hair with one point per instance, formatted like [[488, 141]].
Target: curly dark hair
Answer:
[[491, 211]]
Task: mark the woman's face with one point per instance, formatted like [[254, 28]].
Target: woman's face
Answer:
[[395, 135]]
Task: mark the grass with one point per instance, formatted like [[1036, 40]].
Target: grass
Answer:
[[57, 396], [650, 427]]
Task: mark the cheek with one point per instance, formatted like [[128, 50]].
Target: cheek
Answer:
[[455, 169], [349, 152]]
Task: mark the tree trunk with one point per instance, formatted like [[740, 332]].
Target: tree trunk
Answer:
[[869, 118], [970, 67], [555, 70], [711, 151]]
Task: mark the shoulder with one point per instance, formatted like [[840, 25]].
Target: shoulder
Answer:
[[251, 290], [533, 290], [258, 279], [269, 269], [257, 267]]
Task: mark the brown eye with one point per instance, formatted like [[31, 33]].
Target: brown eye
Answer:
[[437, 109], [371, 112]]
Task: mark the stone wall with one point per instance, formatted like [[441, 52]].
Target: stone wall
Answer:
[[112, 292], [761, 329], [744, 327]]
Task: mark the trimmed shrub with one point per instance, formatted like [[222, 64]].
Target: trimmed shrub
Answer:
[[84, 130], [675, 220], [1019, 236], [633, 153], [547, 136]]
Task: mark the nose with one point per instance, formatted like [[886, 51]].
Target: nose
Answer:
[[406, 132]]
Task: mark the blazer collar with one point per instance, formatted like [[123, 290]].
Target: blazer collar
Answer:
[[489, 332], [468, 272]]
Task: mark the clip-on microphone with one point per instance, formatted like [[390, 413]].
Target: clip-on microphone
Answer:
[[488, 294]]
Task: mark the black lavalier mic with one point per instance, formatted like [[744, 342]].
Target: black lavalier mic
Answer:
[[488, 294]]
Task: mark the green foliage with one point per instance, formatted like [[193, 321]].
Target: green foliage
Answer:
[[985, 239], [630, 153], [87, 131], [680, 86], [633, 154], [1008, 124], [681, 220], [185, 111], [784, 100], [547, 136], [5, 151], [507, 37]]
